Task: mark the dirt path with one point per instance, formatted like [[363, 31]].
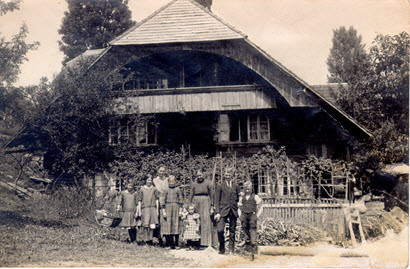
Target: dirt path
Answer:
[[388, 252]]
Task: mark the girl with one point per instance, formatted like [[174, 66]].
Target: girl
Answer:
[[148, 206], [128, 207], [192, 228], [171, 212]]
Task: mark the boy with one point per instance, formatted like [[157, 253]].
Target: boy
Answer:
[[250, 209]]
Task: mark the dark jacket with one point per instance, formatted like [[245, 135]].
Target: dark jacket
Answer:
[[226, 199]]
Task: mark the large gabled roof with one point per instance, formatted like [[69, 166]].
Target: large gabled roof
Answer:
[[185, 21], [179, 21]]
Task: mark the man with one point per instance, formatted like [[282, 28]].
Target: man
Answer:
[[250, 210], [226, 209]]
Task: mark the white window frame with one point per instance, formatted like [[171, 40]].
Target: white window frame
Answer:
[[258, 128]]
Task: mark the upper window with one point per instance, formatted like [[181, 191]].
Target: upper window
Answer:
[[142, 84], [258, 128]]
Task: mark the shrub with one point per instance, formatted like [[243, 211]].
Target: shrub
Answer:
[[62, 204]]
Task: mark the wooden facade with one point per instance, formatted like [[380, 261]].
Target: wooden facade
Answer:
[[203, 83], [194, 99]]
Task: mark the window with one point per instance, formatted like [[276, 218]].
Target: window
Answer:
[[116, 183], [258, 128], [126, 131], [146, 133], [141, 84], [260, 181], [319, 150]]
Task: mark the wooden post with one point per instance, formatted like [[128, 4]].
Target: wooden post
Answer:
[[288, 177], [221, 166], [183, 164]]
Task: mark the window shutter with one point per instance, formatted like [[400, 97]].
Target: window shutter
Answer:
[[223, 128]]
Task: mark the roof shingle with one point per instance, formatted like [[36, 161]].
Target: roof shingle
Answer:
[[179, 21]]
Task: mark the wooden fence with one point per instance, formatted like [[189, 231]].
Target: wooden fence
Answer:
[[316, 212]]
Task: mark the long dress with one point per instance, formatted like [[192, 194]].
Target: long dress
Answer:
[[173, 200], [149, 214], [129, 208], [200, 195]]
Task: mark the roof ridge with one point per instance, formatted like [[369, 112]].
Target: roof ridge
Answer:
[[216, 17], [142, 22]]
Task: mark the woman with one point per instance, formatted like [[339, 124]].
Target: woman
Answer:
[[161, 184], [201, 196], [171, 211]]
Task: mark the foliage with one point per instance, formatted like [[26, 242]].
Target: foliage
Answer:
[[62, 204], [348, 58], [280, 233], [8, 6], [377, 96], [388, 111], [14, 104], [389, 145], [72, 125], [90, 24], [389, 79], [13, 54], [18, 105], [137, 165]]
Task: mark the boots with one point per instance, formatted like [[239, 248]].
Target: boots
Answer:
[[132, 232], [221, 239], [176, 242]]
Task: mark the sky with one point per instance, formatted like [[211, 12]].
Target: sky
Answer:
[[297, 33]]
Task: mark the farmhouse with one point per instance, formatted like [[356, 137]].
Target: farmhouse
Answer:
[[206, 86]]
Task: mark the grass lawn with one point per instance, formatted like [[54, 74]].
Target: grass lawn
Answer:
[[85, 244], [30, 242]]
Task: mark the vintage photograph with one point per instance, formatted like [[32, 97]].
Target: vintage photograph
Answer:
[[204, 133]]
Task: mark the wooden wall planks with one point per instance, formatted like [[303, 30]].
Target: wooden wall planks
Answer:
[[194, 102]]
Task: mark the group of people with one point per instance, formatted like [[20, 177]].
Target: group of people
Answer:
[[159, 211]]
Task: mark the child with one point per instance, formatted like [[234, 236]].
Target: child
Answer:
[[250, 209], [191, 232], [171, 212], [148, 206], [128, 207]]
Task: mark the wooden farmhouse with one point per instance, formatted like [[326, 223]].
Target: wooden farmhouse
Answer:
[[200, 83], [205, 85]]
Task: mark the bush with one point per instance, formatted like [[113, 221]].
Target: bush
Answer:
[[63, 204]]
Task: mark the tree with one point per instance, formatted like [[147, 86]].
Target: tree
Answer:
[[378, 96], [8, 6], [90, 24], [389, 79], [388, 83], [347, 59], [12, 54]]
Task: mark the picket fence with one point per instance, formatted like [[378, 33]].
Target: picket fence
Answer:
[[307, 211]]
